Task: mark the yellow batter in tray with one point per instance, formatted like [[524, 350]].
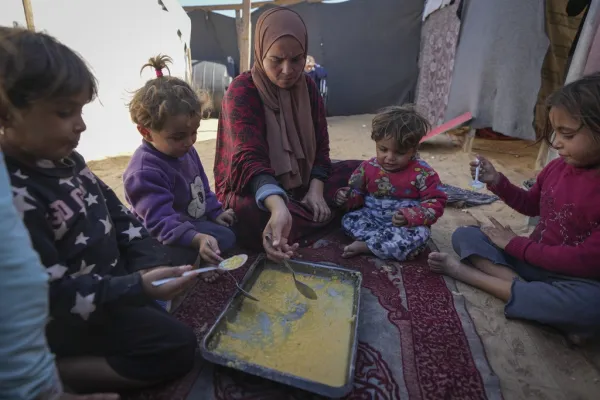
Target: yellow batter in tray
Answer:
[[286, 332]]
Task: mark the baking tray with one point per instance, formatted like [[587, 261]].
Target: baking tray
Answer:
[[210, 341]]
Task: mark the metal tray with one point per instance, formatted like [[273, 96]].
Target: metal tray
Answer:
[[210, 341]]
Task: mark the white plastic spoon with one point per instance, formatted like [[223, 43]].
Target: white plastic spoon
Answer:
[[229, 264], [477, 184]]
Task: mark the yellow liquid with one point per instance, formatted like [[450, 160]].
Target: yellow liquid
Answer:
[[233, 262], [289, 333]]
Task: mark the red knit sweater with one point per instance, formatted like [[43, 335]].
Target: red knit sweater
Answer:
[[567, 238]]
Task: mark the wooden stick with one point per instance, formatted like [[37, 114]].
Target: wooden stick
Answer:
[[245, 42], [255, 4], [470, 138], [28, 14], [446, 126]]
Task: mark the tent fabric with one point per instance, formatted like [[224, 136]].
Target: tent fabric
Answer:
[[593, 61], [370, 49], [499, 57], [584, 48], [213, 38]]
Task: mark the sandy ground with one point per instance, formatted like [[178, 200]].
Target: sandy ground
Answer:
[[532, 363]]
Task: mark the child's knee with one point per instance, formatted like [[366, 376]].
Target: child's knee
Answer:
[[226, 239], [466, 234], [183, 349]]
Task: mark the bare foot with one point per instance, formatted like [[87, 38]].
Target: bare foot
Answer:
[[210, 276], [356, 248], [444, 263]]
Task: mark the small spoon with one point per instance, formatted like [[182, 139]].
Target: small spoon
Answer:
[[477, 184], [227, 265], [303, 288]]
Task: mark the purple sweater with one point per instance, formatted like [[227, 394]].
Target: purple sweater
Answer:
[[169, 194]]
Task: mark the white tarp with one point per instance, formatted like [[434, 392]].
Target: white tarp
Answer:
[[116, 37]]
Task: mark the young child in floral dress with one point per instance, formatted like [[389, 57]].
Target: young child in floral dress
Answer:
[[396, 196]]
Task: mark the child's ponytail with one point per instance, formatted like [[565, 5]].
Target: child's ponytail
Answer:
[[163, 97], [158, 63]]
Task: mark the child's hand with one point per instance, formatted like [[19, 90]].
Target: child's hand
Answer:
[[170, 289], [499, 235], [227, 218], [341, 197], [399, 219], [487, 172], [209, 248]]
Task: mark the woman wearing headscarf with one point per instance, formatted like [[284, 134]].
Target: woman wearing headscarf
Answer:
[[272, 164]]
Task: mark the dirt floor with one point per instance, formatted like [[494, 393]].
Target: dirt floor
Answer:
[[532, 363]]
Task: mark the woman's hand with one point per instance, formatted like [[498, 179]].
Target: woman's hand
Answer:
[[487, 172], [278, 230], [226, 218], [498, 234], [314, 199], [170, 289]]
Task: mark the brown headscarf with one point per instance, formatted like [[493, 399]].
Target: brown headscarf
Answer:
[[290, 129]]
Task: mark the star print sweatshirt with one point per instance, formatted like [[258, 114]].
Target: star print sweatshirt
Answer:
[[169, 194], [27, 369], [89, 242], [566, 240]]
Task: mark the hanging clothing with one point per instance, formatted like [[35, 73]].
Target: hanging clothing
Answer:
[[439, 37], [584, 54], [498, 62], [593, 61], [574, 9]]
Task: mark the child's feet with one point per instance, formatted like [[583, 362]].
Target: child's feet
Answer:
[[445, 264], [356, 248]]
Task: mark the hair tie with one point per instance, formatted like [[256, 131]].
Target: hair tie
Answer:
[[159, 73]]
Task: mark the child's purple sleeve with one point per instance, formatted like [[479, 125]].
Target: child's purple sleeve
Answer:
[[149, 194], [214, 208]]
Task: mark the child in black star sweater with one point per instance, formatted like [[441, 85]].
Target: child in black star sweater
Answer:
[[106, 329]]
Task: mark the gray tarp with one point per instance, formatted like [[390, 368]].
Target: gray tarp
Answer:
[[498, 62], [370, 48]]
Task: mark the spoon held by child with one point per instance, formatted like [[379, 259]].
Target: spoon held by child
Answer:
[[229, 264]]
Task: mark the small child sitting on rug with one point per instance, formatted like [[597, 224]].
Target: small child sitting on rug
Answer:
[[553, 276], [165, 182], [396, 195]]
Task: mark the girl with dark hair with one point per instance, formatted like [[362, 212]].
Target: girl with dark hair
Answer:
[[553, 276]]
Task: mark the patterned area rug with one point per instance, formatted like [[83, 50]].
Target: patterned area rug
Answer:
[[416, 339]]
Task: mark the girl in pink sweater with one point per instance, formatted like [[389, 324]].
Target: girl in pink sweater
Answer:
[[553, 276]]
